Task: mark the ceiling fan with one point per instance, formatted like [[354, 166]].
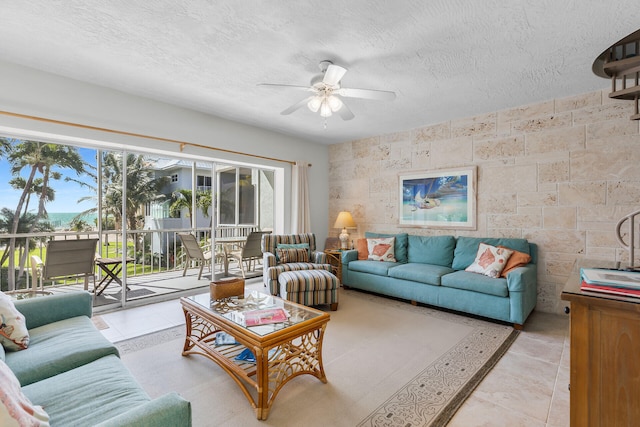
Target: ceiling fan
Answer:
[[327, 93]]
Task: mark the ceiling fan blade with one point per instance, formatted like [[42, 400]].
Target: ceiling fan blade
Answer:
[[296, 106], [345, 112], [381, 95], [333, 75], [306, 88]]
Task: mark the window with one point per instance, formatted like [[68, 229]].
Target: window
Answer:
[[203, 182], [237, 197], [174, 177]]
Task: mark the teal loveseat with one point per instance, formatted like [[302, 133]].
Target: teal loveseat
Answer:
[[75, 373], [430, 270]]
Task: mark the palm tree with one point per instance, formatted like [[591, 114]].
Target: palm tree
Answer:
[[38, 158], [183, 199], [142, 188]]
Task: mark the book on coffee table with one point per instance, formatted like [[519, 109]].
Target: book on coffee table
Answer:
[[263, 316]]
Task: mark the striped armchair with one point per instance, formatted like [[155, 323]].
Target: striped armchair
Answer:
[[286, 252]]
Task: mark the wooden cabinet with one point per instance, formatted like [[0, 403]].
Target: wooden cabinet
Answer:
[[605, 358]]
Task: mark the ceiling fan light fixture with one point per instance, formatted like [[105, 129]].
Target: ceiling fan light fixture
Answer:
[[325, 109], [314, 104], [335, 103]]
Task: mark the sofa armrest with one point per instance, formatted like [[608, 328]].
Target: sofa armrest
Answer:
[[348, 256], [522, 278], [268, 260], [168, 410], [318, 257], [52, 308]]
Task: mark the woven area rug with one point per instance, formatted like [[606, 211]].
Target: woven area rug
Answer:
[[388, 363]]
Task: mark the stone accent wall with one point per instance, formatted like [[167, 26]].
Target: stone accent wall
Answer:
[[560, 173]]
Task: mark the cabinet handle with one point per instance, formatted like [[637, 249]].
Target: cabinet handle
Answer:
[[567, 310]]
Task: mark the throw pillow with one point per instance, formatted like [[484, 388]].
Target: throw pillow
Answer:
[[517, 259], [363, 249], [381, 249], [13, 327], [292, 246], [490, 260], [15, 408], [293, 255]]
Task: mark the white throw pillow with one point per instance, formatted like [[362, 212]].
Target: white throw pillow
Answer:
[[13, 328], [382, 249], [490, 260], [15, 408]]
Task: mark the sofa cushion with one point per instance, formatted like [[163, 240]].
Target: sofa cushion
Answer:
[[400, 248], [58, 347], [476, 282], [467, 248], [14, 335], [379, 268], [88, 394], [490, 260], [15, 408], [422, 273], [381, 249], [436, 250]]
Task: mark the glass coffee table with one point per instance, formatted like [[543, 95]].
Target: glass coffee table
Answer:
[[261, 358]]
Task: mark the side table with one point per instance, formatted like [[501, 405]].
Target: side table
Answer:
[[335, 259]]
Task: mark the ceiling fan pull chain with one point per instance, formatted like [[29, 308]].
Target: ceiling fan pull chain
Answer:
[[325, 123]]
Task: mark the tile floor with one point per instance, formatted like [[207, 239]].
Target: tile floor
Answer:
[[528, 386]]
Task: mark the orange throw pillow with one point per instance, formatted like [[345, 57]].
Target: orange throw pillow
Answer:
[[517, 259], [363, 249]]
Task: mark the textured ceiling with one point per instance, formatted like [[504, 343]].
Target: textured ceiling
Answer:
[[445, 59]]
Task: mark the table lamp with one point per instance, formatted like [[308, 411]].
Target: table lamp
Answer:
[[344, 221]]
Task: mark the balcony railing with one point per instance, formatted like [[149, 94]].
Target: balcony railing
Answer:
[[151, 251]]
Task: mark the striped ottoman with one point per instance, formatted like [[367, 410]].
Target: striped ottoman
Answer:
[[310, 287]]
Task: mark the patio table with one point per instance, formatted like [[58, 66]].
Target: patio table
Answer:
[[111, 267]]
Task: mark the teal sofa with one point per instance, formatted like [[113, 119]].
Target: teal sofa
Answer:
[[75, 374], [430, 270]]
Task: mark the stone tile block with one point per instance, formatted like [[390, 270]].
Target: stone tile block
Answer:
[[513, 178], [514, 221], [431, 133], [451, 153], [498, 148], [502, 203], [553, 172], [479, 126], [562, 241], [541, 123], [579, 101], [526, 112], [607, 111], [560, 217], [624, 193], [556, 140], [539, 198], [582, 193]]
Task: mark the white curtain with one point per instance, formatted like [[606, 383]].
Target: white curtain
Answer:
[[300, 215]]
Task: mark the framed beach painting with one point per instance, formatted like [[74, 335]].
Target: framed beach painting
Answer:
[[443, 198]]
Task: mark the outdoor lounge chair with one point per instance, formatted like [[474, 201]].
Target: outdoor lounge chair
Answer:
[[193, 251], [65, 258]]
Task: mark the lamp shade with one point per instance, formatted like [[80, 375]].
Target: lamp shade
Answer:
[[344, 220]]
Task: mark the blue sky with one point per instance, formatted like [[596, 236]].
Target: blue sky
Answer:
[[66, 193]]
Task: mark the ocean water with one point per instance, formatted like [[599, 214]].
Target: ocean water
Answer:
[[62, 220]]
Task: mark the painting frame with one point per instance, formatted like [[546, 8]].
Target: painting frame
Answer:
[[449, 199]]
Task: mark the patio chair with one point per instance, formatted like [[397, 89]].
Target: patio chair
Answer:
[[250, 252], [193, 251], [65, 258]]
